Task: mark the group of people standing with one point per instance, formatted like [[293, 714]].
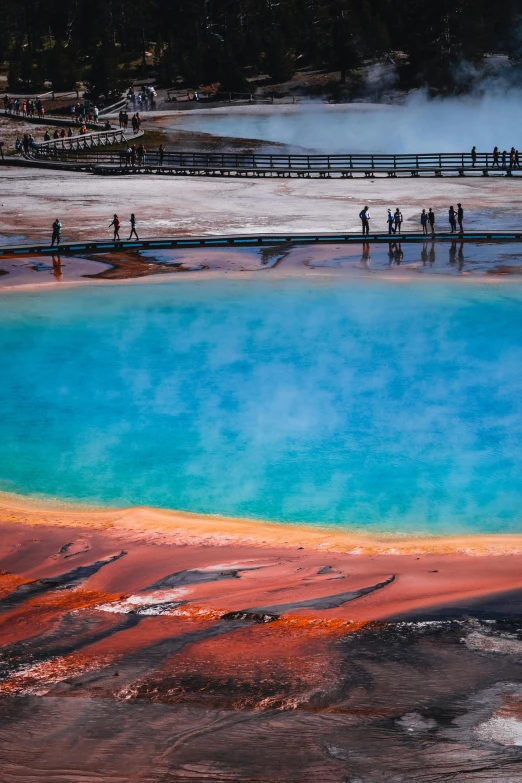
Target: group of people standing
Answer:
[[123, 119], [84, 112], [135, 155], [61, 134], [79, 112], [25, 108], [144, 99], [394, 220], [25, 144]]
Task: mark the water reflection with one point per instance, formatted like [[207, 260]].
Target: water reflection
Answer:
[[395, 253], [365, 255], [57, 268], [427, 254], [456, 254]]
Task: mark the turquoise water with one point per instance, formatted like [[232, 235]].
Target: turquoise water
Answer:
[[378, 405]]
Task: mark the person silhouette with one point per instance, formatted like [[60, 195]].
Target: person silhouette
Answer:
[[365, 216], [424, 221], [133, 226], [460, 217], [431, 219], [452, 216], [397, 217], [116, 224], [57, 231]]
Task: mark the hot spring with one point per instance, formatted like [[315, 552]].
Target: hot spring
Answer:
[[365, 404], [419, 125]]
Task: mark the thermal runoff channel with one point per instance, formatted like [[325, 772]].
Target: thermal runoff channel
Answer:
[[382, 406]]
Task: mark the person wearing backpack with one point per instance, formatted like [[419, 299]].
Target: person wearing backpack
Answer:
[[116, 224], [57, 230], [364, 215]]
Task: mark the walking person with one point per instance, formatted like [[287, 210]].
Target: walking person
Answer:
[[460, 218], [116, 224], [495, 157], [504, 157], [364, 215], [397, 219], [431, 220], [390, 222], [133, 226], [57, 230], [424, 221], [452, 216], [161, 154], [473, 156]]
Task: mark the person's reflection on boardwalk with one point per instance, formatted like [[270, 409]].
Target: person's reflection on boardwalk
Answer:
[[453, 253], [460, 255], [57, 268], [365, 256], [395, 253], [456, 254], [390, 253], [424, 253]]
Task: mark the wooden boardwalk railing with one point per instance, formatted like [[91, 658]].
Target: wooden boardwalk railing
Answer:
[[46, 149], [58, 151]]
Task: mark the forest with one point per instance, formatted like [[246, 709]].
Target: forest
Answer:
[[107, 43]]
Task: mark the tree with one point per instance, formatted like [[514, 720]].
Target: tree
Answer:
[[61, 68], [278, 61], [231, 76], [105, 78]]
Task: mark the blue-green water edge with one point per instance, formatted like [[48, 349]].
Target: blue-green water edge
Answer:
[[377, 405]]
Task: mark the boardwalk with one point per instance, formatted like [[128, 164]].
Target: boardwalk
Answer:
[[228, 164], [102, 138], [246, 240]]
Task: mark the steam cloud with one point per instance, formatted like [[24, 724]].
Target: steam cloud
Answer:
[[421, 124], [371, 404]]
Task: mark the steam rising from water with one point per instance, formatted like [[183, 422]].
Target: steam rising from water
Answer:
[[420, 125], [393, 406]]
